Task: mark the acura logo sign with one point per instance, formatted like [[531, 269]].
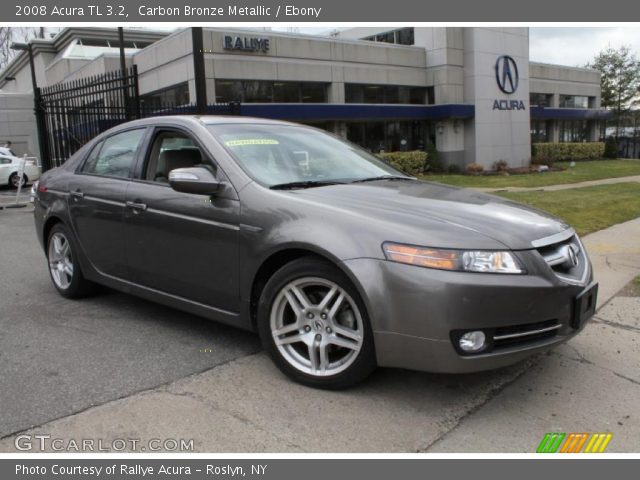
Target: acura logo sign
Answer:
[[507, 74]]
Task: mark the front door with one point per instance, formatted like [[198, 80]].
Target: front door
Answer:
[[178, 243]]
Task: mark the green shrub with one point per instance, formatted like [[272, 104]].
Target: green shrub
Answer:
[[433, 163], [412, 163], [454, 168], [611, 148], [560, 152]]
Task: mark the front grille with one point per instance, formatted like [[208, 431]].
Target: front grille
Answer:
[[567, 259], [518, 335]]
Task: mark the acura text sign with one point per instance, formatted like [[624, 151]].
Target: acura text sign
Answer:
[[508, 79], [246, 44]]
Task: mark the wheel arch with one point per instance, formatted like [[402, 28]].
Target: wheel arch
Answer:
[[276, 260], [48, 225]]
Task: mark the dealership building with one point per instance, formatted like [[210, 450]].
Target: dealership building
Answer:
[[471, 91]]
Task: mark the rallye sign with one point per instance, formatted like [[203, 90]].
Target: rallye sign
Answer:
[[245, 44]]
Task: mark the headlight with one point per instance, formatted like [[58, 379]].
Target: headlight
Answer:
[[457, 260]]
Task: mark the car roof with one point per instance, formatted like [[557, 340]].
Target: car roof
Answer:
[[203, 119]]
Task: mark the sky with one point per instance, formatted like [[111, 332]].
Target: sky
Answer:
[[574, 46]]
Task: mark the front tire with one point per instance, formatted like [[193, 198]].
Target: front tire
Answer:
[[64, 268], [314, 325]]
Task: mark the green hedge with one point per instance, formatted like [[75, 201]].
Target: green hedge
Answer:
[[413, 163], [558, 152]]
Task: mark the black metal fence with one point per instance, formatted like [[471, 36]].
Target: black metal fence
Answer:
[[72, 113]]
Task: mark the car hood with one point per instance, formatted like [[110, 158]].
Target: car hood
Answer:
[[426, 205]]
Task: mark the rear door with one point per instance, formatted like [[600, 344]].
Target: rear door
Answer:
[[97, 200], [178, 243]]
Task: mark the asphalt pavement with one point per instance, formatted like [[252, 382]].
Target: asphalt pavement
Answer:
[[59, 356]]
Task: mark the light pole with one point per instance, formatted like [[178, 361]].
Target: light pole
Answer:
[[40, 125]]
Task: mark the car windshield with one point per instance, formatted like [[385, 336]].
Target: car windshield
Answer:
[[281, 155]]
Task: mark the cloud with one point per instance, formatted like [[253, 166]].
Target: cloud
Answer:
[[576, 46]]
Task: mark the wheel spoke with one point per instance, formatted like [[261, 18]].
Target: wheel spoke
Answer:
[[64, 249], [343, 342], [292, 327], [68, 269], [290, 339], [327, 298], [314, 357], [347, 332], [336, 306], [323, 353], [57, 245], [297, 299]]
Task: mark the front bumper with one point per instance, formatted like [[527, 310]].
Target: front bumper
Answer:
[[414, 310]]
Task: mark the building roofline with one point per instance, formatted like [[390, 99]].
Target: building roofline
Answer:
[[564, 67], [66, 36]]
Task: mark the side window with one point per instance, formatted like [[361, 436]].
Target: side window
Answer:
[[115, 156], [5, 161], [171, 150]]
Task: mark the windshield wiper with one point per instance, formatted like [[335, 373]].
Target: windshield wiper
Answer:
[[303, 184], [383, 177]]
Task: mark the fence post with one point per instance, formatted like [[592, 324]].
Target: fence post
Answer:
[[198, 70], [41, 126], [136, 91]]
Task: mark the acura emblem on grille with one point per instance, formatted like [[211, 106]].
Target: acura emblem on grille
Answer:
[[571, 256]]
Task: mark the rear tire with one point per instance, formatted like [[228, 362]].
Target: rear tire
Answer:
[[14, 180], [64, 267], [314, 325]]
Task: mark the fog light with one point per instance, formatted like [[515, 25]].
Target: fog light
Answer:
[[472, 341]]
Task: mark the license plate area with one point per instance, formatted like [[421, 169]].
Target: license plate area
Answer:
[[584, 306]]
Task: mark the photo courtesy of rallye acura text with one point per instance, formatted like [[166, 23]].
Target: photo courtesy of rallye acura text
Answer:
[[339, 261]]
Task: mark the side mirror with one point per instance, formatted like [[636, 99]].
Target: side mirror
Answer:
[[198, 180]]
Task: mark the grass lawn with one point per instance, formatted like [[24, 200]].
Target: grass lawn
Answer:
[[587, 209], [583, 171]]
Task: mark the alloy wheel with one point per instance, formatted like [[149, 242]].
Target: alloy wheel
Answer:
[[60, 260], [316, 326]]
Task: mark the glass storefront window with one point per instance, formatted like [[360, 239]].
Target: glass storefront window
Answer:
[[266, 91], [402, 36], [572, 131], [540, 131], [393, 94], [167, 97], [540, 99], [390, 136], [574, 101]]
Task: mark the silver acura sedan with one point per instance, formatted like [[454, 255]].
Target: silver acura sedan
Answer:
[[339, 261]]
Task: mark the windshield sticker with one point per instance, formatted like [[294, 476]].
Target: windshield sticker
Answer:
[[251, 141]]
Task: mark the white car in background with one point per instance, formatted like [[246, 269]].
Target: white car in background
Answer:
[[10, 169]]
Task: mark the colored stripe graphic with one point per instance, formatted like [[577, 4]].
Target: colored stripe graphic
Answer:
[[598, 443], [556, 442], [550, 443]]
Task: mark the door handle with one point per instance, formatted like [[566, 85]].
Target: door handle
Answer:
[[77, 195], [137, 207]]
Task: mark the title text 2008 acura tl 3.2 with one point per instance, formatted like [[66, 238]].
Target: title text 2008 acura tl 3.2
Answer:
[[339, 261]]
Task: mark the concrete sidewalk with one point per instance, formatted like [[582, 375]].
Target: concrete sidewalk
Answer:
[[566, 186], [590, 384]]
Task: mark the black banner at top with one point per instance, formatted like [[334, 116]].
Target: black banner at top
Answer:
[[206, 11]]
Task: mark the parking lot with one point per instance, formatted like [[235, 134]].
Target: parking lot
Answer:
[[114, 365]]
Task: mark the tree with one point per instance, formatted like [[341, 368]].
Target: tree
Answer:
[[8, 35], [620, 80]]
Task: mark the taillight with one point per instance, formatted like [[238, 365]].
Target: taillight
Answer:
[[41, 187]]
